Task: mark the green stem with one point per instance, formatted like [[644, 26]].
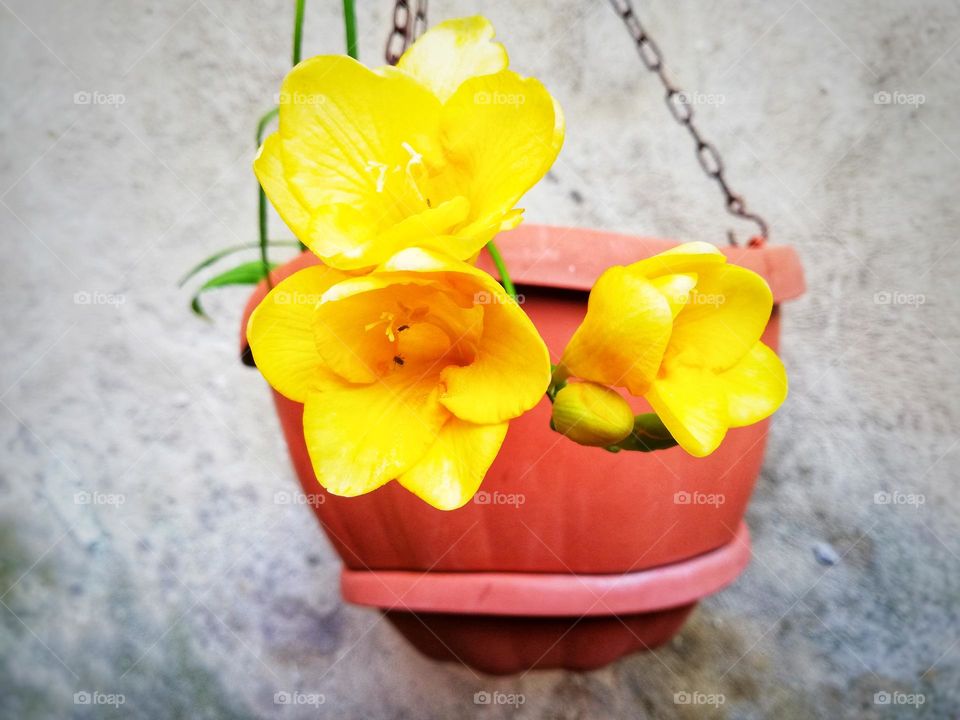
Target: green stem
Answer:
[[298, 31], [263, 122], [350, 24], [262, 218], [262, 198], [502, 269]]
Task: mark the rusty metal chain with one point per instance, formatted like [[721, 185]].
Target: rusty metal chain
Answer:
[[407, 26], [682, 111]]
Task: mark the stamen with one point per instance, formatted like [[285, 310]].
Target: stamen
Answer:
[[385, 317], [382, 177], [415, 159]]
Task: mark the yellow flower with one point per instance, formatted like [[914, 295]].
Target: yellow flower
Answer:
[[410, 373], [682, 329], [434, 153]]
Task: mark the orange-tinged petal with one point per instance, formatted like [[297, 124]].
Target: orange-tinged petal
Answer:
[[450, 472], [693, 407], [510, 367], [452, 51], [358, 321], [624, 334], [362, 436], [755, 387], [726, 315], [281, 332]]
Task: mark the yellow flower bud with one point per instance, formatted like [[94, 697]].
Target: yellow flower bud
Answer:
[[592, 414]]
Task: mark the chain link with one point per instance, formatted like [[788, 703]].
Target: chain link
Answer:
[[682, 111], [407, 26]]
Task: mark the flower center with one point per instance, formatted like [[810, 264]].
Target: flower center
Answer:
[[409, 174]]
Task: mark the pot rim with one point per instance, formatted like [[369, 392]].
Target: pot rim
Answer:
[[550, 594], [572, 258]]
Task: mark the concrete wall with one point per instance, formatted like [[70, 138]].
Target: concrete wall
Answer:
[[198, 596]]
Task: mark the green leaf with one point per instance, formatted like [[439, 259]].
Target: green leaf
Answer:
[[230, 251], [248, 273]]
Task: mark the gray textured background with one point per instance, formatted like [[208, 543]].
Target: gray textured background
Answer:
[[198, 596]]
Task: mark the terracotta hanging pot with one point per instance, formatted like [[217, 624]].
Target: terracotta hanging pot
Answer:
[[568, 556]]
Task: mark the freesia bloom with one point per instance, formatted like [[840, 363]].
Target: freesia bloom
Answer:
[[682, 329], [434, 153], [409, 373]]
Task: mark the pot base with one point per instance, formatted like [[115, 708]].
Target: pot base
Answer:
[[504, 623], [505, 645]]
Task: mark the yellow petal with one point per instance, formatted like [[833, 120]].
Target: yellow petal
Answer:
[[692, 406], [688, 257], [511, 370], [356, 238], [726, 315], [624, 334], [269, 170], [452, 51], [676, 289], [450, 472], [501, 133], [350, 342], [351, 136], [755, 387], [362, 436], [281, 332]]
